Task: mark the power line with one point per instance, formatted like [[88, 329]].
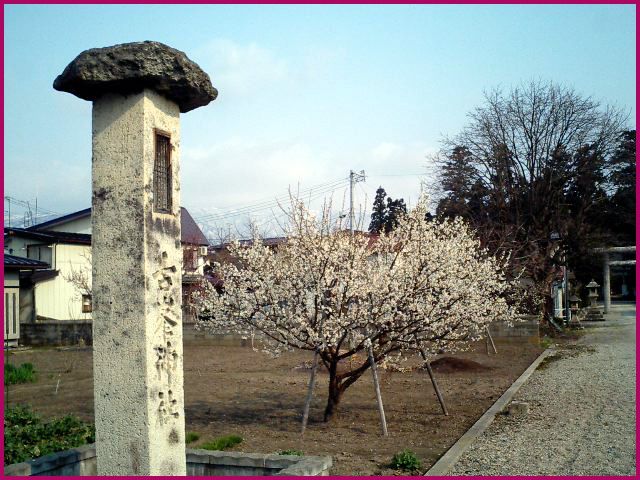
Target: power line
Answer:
[[270, 197], [27, 204], [309, 198], [274, 202], [398, 175]]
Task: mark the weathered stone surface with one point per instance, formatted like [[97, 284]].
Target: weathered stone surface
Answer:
[[132, 67]]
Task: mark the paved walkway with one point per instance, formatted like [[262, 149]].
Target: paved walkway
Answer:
[[582, 412]]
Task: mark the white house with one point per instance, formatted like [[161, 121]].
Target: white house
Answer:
[[48, 294], [63, 291], [13, 266]]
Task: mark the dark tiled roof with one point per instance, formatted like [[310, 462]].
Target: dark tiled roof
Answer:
[[50, 236], [11, 261], [191, 233], [65, 218], [43, 275], [270, 242]]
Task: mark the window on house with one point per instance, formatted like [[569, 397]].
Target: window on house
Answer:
[[162, 174], [87, 306]]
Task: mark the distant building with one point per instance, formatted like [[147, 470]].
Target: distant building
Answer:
[[62, 291], [47, 294], [13, 267]]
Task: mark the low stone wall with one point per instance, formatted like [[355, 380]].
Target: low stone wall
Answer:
[[56, 333], [74, 332], [77, 461], [526, 330], [191, 336], [215, 463], [82, 461]]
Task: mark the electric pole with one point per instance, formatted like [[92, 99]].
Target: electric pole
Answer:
[[353, 179]]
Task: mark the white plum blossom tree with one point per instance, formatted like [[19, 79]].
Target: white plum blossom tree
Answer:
[[424, 286]]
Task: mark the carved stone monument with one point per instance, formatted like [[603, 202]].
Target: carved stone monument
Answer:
[[138, 91]]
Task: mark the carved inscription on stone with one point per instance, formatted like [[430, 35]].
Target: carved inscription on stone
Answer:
[[166, 349], [167, 406]]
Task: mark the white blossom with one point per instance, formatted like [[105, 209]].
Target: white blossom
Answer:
[[424, 286]]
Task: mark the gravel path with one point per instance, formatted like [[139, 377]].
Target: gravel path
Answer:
[[582, 412]]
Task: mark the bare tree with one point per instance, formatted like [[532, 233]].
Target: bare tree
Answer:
[[509, 170]]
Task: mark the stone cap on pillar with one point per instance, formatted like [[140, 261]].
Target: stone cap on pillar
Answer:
[[131, 67]]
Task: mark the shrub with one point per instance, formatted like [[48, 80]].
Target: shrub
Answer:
[[23, 374], [405, 460], [191, 437], [27, 436], [291, 451], [222, 443]]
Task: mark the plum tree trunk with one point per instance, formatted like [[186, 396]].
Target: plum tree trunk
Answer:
[[336, 389]]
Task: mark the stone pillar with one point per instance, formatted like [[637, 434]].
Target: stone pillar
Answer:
[[606, 283], [138, 91]]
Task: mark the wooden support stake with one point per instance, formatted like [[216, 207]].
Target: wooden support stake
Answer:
[[433, 381], [312, 382], [491, 339], [376, 384]]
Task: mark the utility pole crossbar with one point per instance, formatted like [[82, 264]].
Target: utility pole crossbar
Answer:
[[354, 178]]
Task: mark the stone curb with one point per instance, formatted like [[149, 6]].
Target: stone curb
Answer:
[[451, 456]]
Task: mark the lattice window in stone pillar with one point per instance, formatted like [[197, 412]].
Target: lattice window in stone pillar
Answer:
[[162, 174]]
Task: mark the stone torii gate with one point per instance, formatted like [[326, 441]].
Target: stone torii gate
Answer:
[[607, 263], [138, 91]]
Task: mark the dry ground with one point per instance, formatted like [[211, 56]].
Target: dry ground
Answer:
[[234, 390]]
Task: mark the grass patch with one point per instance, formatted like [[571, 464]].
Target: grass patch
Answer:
[[291, 451], [191, 437], [222, 443], [548, 360], [27, 436], [25, 373], [406, 461], [565, 351], [546, 342]]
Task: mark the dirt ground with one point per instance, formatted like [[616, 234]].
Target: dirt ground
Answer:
[[234, 390]]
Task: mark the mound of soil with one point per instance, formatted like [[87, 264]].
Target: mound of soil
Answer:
[[453, 364]]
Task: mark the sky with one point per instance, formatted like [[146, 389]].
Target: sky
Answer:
[[306, 94]]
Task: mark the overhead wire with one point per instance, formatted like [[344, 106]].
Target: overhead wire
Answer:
[[270, 203], [310, 197], [275, 202]]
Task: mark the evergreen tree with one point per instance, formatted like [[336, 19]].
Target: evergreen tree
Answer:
[[533, 164], [395, 210], [622, 180], [379, 213]]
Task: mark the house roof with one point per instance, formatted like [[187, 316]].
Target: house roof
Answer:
[[270, 242], [50, 236], [274, 241], [13, 262], [191, 233], [60, 220], [42, 275]]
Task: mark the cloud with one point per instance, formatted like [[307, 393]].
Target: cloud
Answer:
[[241, 68], [241, 172], [401, 168]]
